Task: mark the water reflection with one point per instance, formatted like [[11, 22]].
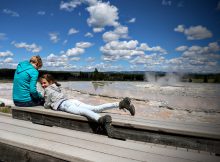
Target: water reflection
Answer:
[[100, 85]]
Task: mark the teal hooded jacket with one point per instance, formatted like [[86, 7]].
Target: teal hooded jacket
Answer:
[[25, 83]]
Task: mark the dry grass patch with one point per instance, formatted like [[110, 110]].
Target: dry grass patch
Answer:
[[5, 109]]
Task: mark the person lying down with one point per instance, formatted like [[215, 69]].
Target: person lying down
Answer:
[[56, 100]]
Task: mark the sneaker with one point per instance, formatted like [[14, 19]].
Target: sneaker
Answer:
[[131, 109], [105, 119], [109, 130], [126, 104], [105, 122]]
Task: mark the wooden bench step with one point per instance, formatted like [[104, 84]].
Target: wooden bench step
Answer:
[[70, 145], [190, 136]]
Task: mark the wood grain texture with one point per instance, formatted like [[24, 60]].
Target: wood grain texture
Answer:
[[190, 136], [70, 145]]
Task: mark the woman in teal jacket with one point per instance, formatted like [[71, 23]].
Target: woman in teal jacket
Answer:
[[25, 93]]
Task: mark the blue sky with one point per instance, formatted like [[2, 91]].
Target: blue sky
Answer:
[[115, 35]]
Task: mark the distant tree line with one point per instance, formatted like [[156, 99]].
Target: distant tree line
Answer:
[[8, 74]]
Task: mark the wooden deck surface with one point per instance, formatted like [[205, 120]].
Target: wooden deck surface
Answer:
[[184, 128], [73, 145]]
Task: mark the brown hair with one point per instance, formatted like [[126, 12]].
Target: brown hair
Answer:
[[37, 61], [50, 79]]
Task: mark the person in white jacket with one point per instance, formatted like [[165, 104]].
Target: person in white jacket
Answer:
[[56, 100]]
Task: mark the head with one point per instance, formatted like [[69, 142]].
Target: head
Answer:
[[36, 62], [46, 80]]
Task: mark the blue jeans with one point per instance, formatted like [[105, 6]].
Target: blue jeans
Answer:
[[79, 108], [30, 103]]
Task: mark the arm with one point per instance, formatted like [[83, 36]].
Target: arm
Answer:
[[47, 100], [33, 83]]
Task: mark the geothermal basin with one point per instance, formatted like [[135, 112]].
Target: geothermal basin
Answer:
[[180, 101]]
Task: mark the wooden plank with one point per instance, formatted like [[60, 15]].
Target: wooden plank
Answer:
[[10, 153], [183, 129], [100, 143], [77, 142], [68, 151], [54, 148], [128, 132], [190, 130], [5, 114], [165, 122], [41, 110]]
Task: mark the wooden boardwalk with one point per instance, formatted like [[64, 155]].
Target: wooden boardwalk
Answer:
[[190, 129], [21, 139], [203, 137]]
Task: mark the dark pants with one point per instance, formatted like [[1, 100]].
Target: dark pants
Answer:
[[30, 103]]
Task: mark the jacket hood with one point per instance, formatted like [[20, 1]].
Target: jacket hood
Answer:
[[23, 66], [54, 87]]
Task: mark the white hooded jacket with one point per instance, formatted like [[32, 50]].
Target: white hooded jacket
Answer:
[[53, 97]]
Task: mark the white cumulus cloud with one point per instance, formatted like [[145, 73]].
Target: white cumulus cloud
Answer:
[[110, 36], [10, 12], [75, 51], [72, 31], [83, 44], [75, 59], [88, 34], [194, 32], [166, 2], [179, 28], [29, 47], [3, 36], [146, 47], [78, 49], [70, 6], [98, 30], [181, 48], [119, 32], [52, 60], [197, 33], [150, 60], [102, 14], [196, 58], [6, 54], [65, 41], [132, 20], [54, 37], [90, 59], [41, 13], [8, 60], [116, 50]]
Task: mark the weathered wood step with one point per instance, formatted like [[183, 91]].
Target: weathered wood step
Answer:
[[206, 131], [190, 136], [69, 145]]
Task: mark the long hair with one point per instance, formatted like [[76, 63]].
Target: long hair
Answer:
[[50, 79]]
